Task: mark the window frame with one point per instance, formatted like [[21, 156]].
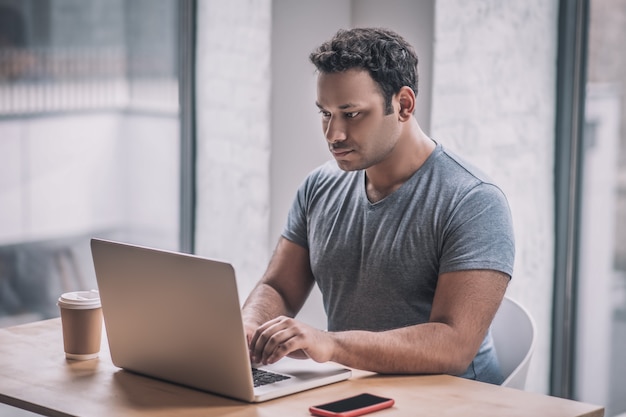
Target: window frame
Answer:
[[187, 105], [571, 80]]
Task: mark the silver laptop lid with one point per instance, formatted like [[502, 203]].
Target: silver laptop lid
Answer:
[[173, 316]]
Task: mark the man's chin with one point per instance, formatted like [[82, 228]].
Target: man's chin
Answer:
[[347, 166]]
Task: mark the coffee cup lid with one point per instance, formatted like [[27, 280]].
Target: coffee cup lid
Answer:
[[80, 300]]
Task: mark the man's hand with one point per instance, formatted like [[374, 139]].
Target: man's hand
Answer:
[[281, 292], [284, 336]]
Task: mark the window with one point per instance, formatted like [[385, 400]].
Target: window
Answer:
[[601, 296], [90, 141], [590, 284]]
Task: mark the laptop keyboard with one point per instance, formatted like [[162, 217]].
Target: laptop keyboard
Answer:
[[261, 377]]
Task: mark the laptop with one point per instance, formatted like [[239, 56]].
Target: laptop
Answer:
[[177, 317]]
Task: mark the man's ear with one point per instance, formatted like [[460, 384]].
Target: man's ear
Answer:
[[406, 98]]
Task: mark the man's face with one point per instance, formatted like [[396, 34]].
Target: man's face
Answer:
[[358, 133]]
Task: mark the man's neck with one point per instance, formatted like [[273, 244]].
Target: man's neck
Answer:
[[410, 154]]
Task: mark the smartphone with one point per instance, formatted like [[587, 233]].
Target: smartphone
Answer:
[[352, 406]]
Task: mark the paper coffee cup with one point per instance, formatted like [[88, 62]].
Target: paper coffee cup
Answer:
[[81, 318]]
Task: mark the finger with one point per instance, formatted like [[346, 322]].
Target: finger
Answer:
[[281, 344], [254, 337], [270, 341], [260, 338]]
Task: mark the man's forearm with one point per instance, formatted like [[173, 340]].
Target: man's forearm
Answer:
[[284, 286], [263, 304], [425, 348]]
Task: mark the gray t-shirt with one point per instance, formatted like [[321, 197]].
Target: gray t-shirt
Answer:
[[377, 264]]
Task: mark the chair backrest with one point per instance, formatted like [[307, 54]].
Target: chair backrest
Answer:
[[513, 331]]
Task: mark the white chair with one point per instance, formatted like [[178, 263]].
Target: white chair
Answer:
[[513, 331]]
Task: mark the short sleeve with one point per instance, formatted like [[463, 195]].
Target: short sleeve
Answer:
[[479, 233]]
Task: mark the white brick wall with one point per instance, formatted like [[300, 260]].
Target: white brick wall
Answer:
[[493, 102], [233, 85]]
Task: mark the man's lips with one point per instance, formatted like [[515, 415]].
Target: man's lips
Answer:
[[339, 152]]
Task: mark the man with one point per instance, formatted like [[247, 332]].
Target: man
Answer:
[[411, 247]]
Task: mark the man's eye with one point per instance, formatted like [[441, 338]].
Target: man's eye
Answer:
[[325, 114], [352, 115]]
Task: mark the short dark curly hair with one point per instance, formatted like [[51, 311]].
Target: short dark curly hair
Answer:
[[390, 60]]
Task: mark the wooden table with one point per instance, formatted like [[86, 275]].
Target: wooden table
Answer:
[[34, 375]]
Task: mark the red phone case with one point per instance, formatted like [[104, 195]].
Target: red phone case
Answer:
[[352, 413]]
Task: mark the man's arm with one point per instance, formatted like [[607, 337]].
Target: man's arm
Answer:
[[283, 289], [464, 305]]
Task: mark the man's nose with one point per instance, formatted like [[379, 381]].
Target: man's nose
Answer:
[[335, 131]]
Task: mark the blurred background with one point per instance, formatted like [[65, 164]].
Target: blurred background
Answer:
[[188, 125]]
